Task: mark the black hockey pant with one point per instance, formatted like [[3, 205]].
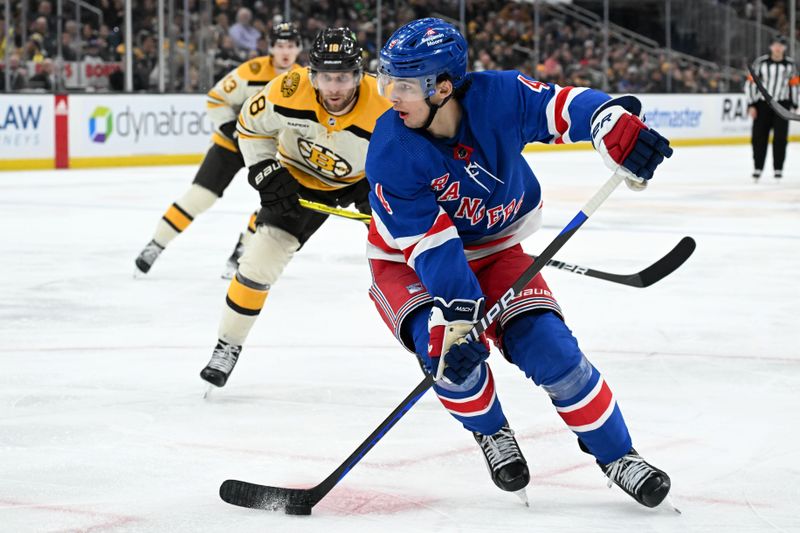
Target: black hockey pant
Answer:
[[766, 120]]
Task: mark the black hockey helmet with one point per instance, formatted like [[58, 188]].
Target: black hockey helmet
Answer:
[[336, 50], [286, 31]]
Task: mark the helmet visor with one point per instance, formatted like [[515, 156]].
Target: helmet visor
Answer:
[[335, 80], [405, 89]]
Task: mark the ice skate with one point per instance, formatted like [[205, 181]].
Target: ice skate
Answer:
[[221, 365], [233, 261], [778, 174], [642, 481], [146, 258], [504, 459], [756, 175]]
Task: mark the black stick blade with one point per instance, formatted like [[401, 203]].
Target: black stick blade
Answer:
[[669, 263], [255, 496]]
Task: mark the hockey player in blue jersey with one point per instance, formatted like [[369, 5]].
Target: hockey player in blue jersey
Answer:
[[452, 198]]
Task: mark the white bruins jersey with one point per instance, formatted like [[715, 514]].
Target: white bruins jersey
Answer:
[[225, 99], [322, 151]]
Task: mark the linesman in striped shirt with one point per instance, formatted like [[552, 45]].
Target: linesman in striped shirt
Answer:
[[779, 75]]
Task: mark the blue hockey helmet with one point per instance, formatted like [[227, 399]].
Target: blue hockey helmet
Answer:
[[422, 50]]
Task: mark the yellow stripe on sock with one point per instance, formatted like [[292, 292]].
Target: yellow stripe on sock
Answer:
[[246, 297], [179, 220]]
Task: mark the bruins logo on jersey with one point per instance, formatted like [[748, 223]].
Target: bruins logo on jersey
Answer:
[[255, 67], [323, 160], [290, 84]]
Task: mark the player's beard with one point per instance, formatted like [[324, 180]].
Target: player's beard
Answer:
[[343, 100]]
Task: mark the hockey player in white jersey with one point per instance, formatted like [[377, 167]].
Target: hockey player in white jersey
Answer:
[[223, 160], [305, 135]]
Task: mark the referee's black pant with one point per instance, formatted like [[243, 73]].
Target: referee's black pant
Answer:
[[766, 120]]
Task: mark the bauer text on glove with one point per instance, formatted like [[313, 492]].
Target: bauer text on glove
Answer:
[[278, 189]]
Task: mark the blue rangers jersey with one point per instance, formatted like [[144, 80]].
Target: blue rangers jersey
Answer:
[[439, 203]]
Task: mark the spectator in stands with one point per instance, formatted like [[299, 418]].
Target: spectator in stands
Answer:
[[3, 38], [32, 51], [227, 58], [45, 10], [48, 41], [146, 61], [221, 27], [44, 78], [18, 75], [262, 48], [68, 49], [92, 52], [244, 35]]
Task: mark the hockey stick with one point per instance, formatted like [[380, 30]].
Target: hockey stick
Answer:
[[644, 278], [301, 501], [339, 212], [782, 112]]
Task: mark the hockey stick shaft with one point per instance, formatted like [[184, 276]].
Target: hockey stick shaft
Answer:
[[251, 495], [782, 112], [644, 278], [337, 211]]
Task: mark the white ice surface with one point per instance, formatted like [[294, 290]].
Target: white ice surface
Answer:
[[102, 425]]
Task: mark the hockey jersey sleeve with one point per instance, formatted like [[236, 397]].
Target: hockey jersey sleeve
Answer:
[[225, 98], [553, 114], [750, 89], [794, 83], [407, 218], [258, 126]]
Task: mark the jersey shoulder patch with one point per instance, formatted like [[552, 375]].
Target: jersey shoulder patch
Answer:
[[293, 89], [258, 70], [290, 83]]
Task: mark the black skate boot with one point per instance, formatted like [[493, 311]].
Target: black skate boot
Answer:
[[221, 365], [642, 481], [506, 464], [233, 261], [147, 257]]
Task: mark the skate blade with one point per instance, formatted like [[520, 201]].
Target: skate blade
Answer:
[[138, 274], [669, 502], [522, 494], [207, 393], [228, 273]]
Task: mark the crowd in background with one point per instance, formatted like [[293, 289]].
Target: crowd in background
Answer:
[[500, 33]]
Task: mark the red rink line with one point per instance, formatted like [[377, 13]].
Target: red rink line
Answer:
[[773, 358], [351, 501], [348, 501], [111, 521]]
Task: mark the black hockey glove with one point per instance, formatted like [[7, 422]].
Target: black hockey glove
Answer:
[[278, 189], [357, 194]]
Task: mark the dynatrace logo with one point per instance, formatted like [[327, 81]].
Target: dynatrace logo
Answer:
[[100, 124]]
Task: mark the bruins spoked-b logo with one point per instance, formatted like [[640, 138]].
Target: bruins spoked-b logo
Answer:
[[290, 83], [323, 160]]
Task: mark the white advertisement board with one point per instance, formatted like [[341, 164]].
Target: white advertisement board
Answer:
[[26, 127], [102, 126], [699, 116]]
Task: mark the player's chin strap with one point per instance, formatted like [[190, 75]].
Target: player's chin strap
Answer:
[[432, 109], [436, 107]]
